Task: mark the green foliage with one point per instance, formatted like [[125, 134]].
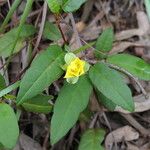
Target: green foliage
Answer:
[[7, 40], [9, 15], [9, 89], [26, 31], [2, 82], [83, 48], [9, 130], [24, 16], [110, 84], [71, 101], [147, 4], [92, 139], [72, 5], [136, 66], [44, 70], [86, 115], [105, 40], [51, 32], [38, 104], [56, 6], [105, 101]]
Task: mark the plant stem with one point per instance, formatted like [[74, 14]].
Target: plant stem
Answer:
[[9, 88], [10, 13], [22, 21], [84, 47], [57, 17]]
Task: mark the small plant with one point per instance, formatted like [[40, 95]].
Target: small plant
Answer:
[[81, 79]]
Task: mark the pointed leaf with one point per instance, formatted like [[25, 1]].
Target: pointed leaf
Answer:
[[51, 32], [136, 66], [38, 104], [147, 4], [92, 139], [45, 69], [9, 130], [72, 5], [111, 85], [10, 88], [27, 31], [71, 101], [105, 40], [105, 101], [55, 5], [7, 40]]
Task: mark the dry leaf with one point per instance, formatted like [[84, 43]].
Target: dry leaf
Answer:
[[121, 46], [132, 146], [27, 143], [125, 133], [143, 29]]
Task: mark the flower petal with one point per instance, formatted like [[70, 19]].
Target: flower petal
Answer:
[[69, 57], [72, 80]]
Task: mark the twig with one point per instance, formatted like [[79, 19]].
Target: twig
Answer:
[[57, 17], [94, 120], [8, 3], [87, 9], [41, 28], [22, 21], [10, 13], [107, 122], [136, 124], [35, 12], [71, 136], [131, 76], [75, 30], [45, 141]]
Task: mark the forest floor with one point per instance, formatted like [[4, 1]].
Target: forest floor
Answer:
[[132, 35]]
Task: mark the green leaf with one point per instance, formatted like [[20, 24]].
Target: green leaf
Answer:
[[51, 32], [147, 4], [105, 40], [9, 88], [71, 101], [6, 47], [44, 70], [38, 104], [27, 31], [105, 101], [100, 55], [92, 139], [110, 84], [9, 130], [7, 40], [72, 5], [10, 97], [86, 115], [2, 82], [55, 5], [136, 66]]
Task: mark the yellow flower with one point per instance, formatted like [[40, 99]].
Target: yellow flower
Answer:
[[75, 68]]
